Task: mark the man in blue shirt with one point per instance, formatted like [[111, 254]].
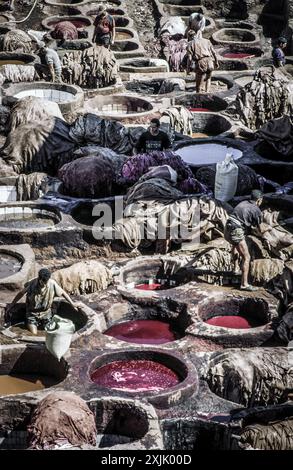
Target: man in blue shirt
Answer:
[[278, 53]]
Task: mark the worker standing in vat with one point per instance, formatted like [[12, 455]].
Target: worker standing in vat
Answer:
[[40, 294], [104, 32], [203, 54], [153, 139], [245, 215], [50, 67], [278, 53], [196, 23]]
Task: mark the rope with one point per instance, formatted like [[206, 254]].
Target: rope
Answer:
[[28, 15]]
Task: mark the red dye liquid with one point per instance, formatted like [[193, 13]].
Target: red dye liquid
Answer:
[[199, 110], [142, 332], [238, 55], [230, 321], [148, 286], [135, 376]]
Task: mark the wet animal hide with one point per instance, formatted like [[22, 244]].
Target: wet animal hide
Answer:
[[252, 377], [29, 187], [61, 418], [95, 67], [93, 176], [85, 277], [90, 129], [38, 147], [17, 40]]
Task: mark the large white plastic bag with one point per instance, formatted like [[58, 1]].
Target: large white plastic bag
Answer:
[[58, 336], [226, 179]]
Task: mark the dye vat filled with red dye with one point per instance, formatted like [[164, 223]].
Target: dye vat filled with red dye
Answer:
[[230, 321], [143, 332], [238, 55], [135, 376], [199, 110], [153, 286]]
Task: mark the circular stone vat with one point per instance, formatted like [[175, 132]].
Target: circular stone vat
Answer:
[[125, 424], [139, 375], [143, 332], [235, 313], [119, 107], [123, 34], [66, 2], [13, 58], [35, 224], [9, 264], [229, 36], [163, 378], [123, 22], [251, 377], [18, 330], [22, 217], [236, 320], [144, 65], [205, 153], [241, 53], [82, 213], [134, 322], [78, 21], [28, 370], [151, 274], [125, 47], [207, 124], [197, 102], [68, 97]]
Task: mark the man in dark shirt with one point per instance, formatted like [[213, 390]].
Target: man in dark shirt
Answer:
[[245, 215], [153, 139], [104, 31], [278, 53]]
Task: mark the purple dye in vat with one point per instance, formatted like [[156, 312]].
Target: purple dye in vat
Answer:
[[230, 321], [143, 332], [135, 376]]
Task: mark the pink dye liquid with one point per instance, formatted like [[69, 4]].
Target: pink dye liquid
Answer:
[[238, 55], [142, 332], [76, 23], [148, 286], [199, 110], [230, 321], [135, 376]]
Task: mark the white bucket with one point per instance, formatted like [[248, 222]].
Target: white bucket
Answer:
[[58, 336]]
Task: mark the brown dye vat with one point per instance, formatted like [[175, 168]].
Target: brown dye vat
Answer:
[[11, 62], [23, 383], [121, 35], [199, 135], [20, 329]]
